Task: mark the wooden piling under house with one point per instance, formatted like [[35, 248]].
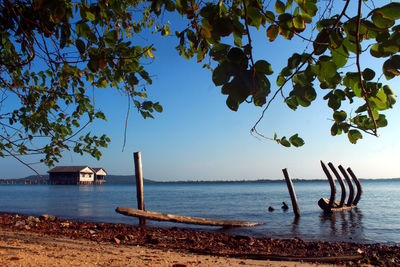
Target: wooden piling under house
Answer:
[[76, 175]]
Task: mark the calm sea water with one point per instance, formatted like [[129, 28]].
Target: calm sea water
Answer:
[[377, 218]]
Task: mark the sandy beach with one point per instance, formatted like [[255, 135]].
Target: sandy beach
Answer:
[[50, 241], [31, 249]]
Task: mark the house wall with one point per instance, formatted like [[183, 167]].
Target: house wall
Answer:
[[86, 177], [63, 178]]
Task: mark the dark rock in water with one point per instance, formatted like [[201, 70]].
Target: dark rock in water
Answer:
[[270, 208], [284, 206]]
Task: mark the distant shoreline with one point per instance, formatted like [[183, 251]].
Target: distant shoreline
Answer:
[[130, 179]]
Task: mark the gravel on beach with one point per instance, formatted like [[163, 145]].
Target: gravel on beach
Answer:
[[206, 243]]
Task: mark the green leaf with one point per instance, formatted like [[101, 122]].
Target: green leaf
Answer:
[[219, 51], [280, 80], [381, 121], [390, 11], [320, 44], [90, 16], [384, 50], [391, 67], [221, 74], [308, 6], [93, 65], [368, 74], [82, 29], [81, 46], [111, 38], [102, 83], [335, 129], [296, 141], [232, 103], [382, 22], [284, 142], [100, 115], [269, 16], [351, 80], [299, 23], [157, 107], [339, 116], [353, 136], [263, 67], [334, 102], [292, 103], [254, 16], [272, 32], [237, 56], [327, 70], [280, 7]]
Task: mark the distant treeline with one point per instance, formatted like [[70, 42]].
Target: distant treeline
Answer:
[[130, 179]]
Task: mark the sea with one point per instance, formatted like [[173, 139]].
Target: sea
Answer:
[[375, 220]]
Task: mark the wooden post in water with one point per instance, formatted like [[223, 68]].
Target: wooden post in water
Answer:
[[292, 193], [349, 184], [139, 184], [342, 186], [358, 185], [332, 185]]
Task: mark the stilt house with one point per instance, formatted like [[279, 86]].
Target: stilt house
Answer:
[[76, 175]]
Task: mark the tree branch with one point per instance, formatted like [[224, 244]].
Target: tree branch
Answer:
[[364, 91]]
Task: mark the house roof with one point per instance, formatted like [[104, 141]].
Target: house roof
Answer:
[[69, 169], [98, 169]]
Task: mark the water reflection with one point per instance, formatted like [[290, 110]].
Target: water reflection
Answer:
[[295, 226], [343, 224]]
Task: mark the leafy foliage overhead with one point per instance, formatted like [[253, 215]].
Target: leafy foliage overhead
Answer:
[[341, 39], [52, 53]]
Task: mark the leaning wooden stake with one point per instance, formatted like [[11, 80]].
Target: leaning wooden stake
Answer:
[[292, 193], [342, 186], [349, 184], [139, 184], [332, 185], [359, 189]]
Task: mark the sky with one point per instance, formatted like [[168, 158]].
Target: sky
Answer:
[[197, 137]]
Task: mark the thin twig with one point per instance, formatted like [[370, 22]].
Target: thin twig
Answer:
[[126, 121], [27, 165], [254, 128]]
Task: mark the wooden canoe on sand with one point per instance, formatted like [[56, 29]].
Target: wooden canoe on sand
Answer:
[[158, 216]]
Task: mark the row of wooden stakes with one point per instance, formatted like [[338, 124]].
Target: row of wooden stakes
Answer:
[[330, 205]]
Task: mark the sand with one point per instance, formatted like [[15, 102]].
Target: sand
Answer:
[[33, 249]]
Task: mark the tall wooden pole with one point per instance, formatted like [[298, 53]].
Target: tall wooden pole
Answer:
[[139, 184], [292, 193]]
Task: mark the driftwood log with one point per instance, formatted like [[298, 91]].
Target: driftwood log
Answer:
[[157, 216], [331, 205]]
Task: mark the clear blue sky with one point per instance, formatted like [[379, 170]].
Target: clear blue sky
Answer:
[[198, 138]]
